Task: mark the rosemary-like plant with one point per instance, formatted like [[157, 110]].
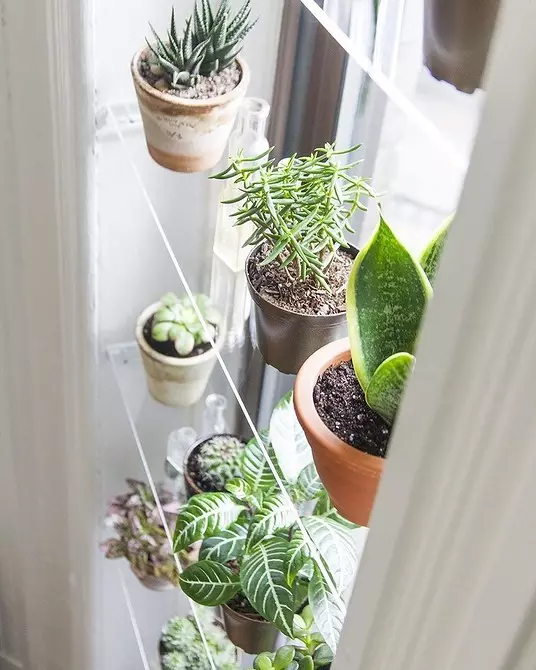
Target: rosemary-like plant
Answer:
[[300, 206], [210, 42]]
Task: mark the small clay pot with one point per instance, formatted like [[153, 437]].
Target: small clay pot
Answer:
[[286, 339], [351, 476], [187, 135], [457, 36], [192, 488], [173, 381], [251, 634]]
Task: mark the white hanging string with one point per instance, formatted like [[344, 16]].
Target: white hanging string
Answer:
[[133, 620]]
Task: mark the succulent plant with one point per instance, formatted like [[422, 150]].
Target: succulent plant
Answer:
[[177, 321], [182, 646], [300, 206], [220, 459], [142, 539], [211, 42], [387, 295]]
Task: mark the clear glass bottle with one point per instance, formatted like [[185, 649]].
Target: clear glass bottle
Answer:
[[214, 414], [248, 137], [179, 441]]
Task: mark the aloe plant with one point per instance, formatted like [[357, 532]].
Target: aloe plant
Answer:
[[252, 543], [387, 295], [211, 42]]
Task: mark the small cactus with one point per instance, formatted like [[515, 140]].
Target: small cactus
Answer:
[[210, 43], [176, 320], [220, 459]]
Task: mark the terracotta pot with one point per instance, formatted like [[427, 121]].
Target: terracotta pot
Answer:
[[286, 339], [192, 488], [182, 134], [351, 476], [176, 382], [457, 36], [156, 583], [250, 634]]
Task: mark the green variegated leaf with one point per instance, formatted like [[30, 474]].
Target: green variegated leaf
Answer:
[[327, 609], [226, 545], [387, 385], [239, 488], [431, 255], [324, 507], [298, 554], [309, 486], [209, 583], [262, 576], [288, 440], [386, 297], [336, 546], [204, 515], [255, 467], [275, 514]]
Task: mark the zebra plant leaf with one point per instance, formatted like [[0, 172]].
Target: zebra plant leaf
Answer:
[[209, 583], [431, 255], [336, 546], [388, 383], [297, 556], [239, 488], [226, 545], [324, 507], [309, 485], [386, 297], [255, 467], [204, 515], [328, 610], [262, 577], [275, 514], [288, 440]]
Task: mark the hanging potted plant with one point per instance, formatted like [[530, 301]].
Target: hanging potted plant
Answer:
[[175, 348], [142, 538], [457, 36], [254, 560], [298, 270], [190, 86], [212, 462], [347, 394], [181, 646]]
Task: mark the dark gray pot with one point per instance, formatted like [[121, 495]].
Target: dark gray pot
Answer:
[[287, 339], [252, 635], [457, 36]]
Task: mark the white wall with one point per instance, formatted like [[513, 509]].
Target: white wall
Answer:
[[134, 270]]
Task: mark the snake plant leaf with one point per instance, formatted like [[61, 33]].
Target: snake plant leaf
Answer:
[[288, 440], [262, 577], [386, 298], [255, 466], [209, 583], [336, 546], [297, 556], [227, 545], [328, 610], [275, 514], [431, 255], [203, 516], [388, 383]]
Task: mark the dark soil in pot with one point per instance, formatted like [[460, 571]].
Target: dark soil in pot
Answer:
[[241, 604], [167, 348], [210, 86], [301, 296], [195, 472], [340, 403]]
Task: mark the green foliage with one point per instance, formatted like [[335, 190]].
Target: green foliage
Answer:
[[176, 320], [432, 252], [387, 295], [300, 207], [209, 583], [211, 41], [182, 647], [220, 459]]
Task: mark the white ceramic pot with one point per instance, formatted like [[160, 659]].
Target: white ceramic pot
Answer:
[[176, 382], [187, 135]]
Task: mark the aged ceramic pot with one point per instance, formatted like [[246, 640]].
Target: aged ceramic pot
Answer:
[[176, 382], [250, 634], [351, 476], [286, 339], [187, 135]]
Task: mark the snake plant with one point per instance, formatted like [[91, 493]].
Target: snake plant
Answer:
[[211, 41], [252, 543], [387, 295]]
